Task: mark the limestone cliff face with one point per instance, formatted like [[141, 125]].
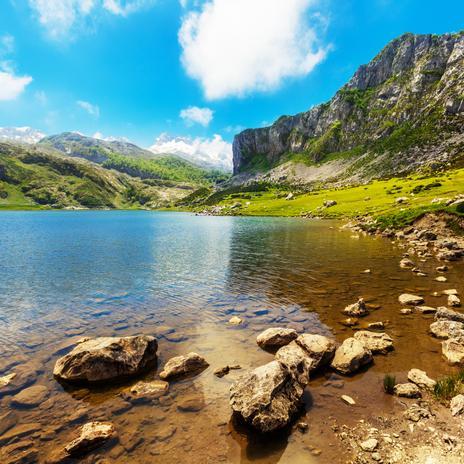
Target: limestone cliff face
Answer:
[[410, 95]]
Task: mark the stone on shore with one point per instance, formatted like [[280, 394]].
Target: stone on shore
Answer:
[[376, 342], [30, 397], [446, 329], [276, 337], [448, 314], [351, 356], [107, 358], [421, 379], [183, 365], [407, 390], [408, 299], [369, 445], [453, 350], [357, 309], [457, 405], [267, 397], [454, 301], [92, 435]]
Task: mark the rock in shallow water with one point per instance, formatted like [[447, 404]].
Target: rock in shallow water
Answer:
[[92, 435], [446, 329], [276, 337], [351, 356], [107, 358], [453, 350], [31, 396], [148, 390], [448, 314], [182, 365], [421, 379], [375, 341], [408, 299], [267, 397], [407, 390], [357, 309]]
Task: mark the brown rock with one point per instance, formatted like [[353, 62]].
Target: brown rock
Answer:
[[92, 435], [182, 365]]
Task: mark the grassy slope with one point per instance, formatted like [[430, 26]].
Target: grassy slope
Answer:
[[376, 199]]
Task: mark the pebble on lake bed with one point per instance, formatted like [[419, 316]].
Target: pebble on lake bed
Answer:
[[235, 320]]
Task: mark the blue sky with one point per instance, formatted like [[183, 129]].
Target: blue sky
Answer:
[[201, 69]]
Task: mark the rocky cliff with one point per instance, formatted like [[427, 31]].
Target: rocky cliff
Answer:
[[400, 112]]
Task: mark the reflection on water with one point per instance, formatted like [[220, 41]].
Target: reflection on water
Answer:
[[69, 274]]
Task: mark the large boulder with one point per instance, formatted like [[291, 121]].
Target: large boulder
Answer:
[[446, 329], [375, 341], [92, 435], [350, 356], [306, 354], [190, 363], [107, 358], [276, 337], [267, 397], [453, 350], [448, 314]]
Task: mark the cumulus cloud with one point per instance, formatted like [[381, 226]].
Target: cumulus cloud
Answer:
[[11, 85], [236, 47], [59, 16], [194, 115], [93, 110], [212, 152]]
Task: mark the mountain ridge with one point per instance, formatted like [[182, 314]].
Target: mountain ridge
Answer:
[[409, 96]]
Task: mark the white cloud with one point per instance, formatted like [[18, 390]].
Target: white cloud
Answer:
[[213, 152], [193, 114], [235, 47], [98, 135], [59, 16], [93, 110], [12, 86]]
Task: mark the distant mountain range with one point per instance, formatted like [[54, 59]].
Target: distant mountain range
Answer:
[[20, 134], [400, 113]]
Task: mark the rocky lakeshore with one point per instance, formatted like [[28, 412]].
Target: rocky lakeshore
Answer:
[[352, 381]]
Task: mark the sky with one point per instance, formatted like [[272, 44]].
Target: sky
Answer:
[[186, 75]]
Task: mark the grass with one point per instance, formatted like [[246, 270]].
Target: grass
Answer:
[[375, 199], [449, 386], [389, 382]]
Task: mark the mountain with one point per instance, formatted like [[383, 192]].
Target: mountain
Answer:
[[402, 112], [93, 149], [20, 134], [33, 177]]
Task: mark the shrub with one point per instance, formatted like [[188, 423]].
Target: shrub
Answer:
[[389, 382], [449, 386]]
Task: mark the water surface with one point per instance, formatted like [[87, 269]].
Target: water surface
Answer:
[[181, 277]]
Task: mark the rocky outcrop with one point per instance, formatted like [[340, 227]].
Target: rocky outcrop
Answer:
[[191, 363], [351, 356], [107, 358], [276, 337], [92, 435], [267, 397], [415, 82]]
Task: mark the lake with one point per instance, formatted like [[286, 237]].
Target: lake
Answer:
[[181, 277]]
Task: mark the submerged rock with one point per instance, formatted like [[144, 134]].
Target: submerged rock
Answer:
[[357, 309], [182, 365], [267, 397], [222, 371], [92, 435], [107, 358], [407, 390], [351, 356], [447, 329], [276, 337], [375, 341], [149, 389], [453, 350], [235, 320], [31, 396], [421, 379], [408, 299]]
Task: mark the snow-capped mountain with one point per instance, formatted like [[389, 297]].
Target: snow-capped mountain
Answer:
[[214, 152], [21, 134]]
